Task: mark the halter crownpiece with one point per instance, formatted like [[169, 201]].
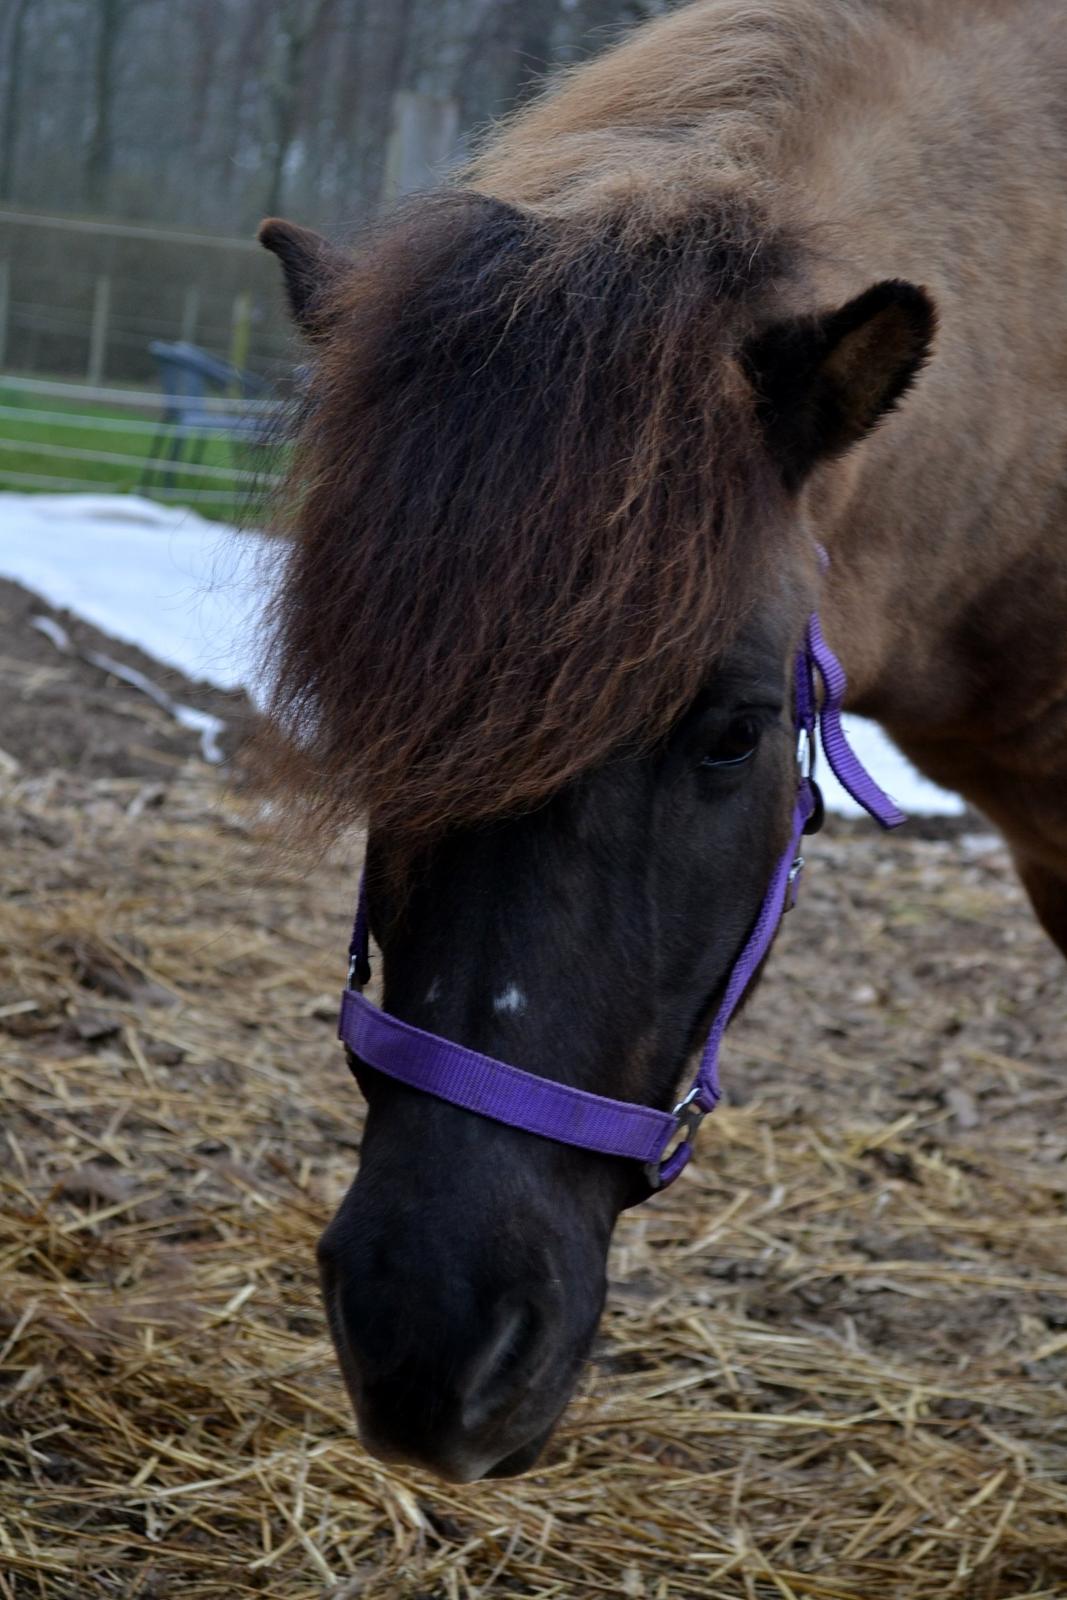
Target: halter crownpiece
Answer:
[[662, 1141]]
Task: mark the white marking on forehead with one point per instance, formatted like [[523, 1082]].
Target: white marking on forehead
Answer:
[[512, 999], [433, 992]]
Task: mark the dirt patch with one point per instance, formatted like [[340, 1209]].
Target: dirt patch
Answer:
[[60, 711]]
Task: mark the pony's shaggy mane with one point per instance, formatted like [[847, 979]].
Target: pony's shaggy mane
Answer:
[[527, 503]]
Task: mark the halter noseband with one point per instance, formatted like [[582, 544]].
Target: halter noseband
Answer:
[[662, 1141]]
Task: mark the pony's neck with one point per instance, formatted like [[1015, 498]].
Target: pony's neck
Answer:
[[945, 527]]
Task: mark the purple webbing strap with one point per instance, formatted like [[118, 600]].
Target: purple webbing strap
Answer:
[[706, 1091], [842, 759], [775, 904], [494, 1089]]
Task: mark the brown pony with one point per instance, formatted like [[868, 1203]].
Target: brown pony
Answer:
[[574, 430]]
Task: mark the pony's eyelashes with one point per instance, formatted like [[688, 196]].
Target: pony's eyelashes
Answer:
[[726, 739], [736, 744]]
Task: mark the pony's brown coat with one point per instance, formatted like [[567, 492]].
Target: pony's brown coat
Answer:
[[800, 150]]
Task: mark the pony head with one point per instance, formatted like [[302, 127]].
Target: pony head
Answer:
[[549, 566]]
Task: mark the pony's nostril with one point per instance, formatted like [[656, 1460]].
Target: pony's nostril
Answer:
[[488, 1379]]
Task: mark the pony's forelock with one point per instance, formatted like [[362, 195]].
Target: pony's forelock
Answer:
[[528, 503]]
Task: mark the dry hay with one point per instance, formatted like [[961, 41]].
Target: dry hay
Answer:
[[834, 1360]]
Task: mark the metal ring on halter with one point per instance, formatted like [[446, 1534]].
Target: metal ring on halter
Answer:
[[817, 818], [807, 749], [688, 1114]]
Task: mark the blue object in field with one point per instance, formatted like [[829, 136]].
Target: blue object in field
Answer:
[[189, 377]]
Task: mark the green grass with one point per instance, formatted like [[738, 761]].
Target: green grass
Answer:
[[39, 452]]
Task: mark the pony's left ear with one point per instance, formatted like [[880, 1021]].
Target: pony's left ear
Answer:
[[311, 267], [823, 382]]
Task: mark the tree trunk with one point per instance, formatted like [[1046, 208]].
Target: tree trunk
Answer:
[[10, 126], [296, 29], [99, 150], [385, 70], [425, 129]]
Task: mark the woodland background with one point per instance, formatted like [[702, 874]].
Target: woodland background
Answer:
[[210, 113]]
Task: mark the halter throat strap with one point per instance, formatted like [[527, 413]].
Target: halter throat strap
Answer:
[[661, 1141]]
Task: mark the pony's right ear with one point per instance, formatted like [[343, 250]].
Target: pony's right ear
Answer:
[[823, 382], [311, 267]]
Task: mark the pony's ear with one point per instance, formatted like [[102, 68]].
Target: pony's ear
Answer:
[[311, 267], [823, 382]]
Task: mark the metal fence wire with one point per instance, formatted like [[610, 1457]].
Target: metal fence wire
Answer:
[[91, 438], [83, 298], [89, 308]]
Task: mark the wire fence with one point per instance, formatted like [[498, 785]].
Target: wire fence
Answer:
[[90, 438], [96, 317], [85, 297]]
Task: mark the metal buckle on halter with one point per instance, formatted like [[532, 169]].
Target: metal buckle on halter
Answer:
[[358, 972], [688, 1114], [792, 884], [806, 751]]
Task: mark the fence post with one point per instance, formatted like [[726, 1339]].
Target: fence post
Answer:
[[241, 336], [98, 330], [190, 312], [5, 308]]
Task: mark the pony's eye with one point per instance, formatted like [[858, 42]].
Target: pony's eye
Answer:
[[737, 744]]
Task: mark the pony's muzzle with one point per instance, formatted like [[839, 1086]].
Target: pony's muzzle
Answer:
[[442, 1377]]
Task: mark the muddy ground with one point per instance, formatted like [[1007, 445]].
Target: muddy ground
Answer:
[[61, 712]]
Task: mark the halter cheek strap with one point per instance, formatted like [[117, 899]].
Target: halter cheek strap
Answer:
[[662, 1141]]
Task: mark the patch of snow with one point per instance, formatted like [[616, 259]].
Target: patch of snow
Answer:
[[209, 728], [979, 844], [52, 630], [185, 590]]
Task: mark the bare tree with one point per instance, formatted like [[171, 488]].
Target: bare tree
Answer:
[[210, 111], [298, 21], [9, 128]]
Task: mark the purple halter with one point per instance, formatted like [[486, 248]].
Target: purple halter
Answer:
[[557, 1111]]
